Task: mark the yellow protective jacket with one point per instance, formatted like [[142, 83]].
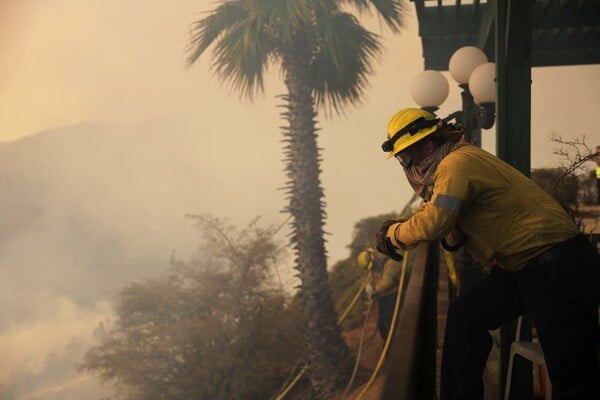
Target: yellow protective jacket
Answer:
[[506, 217], [385, 275]]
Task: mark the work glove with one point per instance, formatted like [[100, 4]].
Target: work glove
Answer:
[[384, 244], [370, 290]]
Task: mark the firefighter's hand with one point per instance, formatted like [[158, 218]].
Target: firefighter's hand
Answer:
[[384, 244], [370, 291]]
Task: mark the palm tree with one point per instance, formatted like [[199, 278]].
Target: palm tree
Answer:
[[325, 55]]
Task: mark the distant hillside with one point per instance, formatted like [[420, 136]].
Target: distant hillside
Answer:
[[83, 211], [88, 206]]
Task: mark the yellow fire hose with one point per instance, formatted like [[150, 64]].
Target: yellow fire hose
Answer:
[[389, 336], [354, 300], [451, 268], [292, 383], [340, 319], [343, 316], [359, 352]]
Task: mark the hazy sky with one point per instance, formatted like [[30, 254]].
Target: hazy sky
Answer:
[[69, 61], [65, 62]]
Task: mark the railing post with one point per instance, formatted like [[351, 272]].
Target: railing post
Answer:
[[412, 359]]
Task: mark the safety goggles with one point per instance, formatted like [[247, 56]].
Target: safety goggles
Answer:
[[412, 128], [404, 158], [409, 156]]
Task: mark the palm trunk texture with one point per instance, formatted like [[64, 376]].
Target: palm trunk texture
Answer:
[[328, 355]]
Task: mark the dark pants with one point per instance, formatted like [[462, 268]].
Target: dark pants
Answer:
[[385, 313], [561, 296]]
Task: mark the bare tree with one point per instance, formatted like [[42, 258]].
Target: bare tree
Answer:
[[572, 153], [216, 327]]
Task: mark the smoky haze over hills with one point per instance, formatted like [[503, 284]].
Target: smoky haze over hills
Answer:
[[88, 206], [85, 210]]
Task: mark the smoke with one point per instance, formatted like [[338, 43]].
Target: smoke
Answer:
[[90, 208], [49, 345]]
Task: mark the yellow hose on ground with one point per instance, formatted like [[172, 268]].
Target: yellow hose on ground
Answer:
[[354, 300], [340, 319], [359, 352], [389, 336], [292, 383]]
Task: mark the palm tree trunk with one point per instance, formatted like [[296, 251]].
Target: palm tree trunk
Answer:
[[328, 355]]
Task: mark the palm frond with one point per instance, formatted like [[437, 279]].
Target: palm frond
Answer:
[[205, 31], [281, 18], [342, 62], [241, 57]]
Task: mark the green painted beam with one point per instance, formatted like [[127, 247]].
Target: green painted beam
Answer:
[[445, 28], [561, 58], [513, 127], [572, 18], [446, 21], [438, 49], [513, 64], [567, 42], [485, 34]]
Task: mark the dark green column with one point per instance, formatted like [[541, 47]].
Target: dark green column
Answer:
[[513, 142], [513, 63]]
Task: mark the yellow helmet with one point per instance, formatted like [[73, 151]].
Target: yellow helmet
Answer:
[[407, 127], [365, 258]]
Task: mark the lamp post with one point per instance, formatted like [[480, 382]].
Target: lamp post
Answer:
[[429, 89], [461, 65], [482, 84], [470, 68]]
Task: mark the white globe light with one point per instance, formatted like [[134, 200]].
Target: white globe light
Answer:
[[464, 61], [429, 88], [482, 83]]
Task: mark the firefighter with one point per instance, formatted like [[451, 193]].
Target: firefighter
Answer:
[[384, 276], [540, 264]]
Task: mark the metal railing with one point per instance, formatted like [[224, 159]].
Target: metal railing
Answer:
[[412, 369], [412, 361]]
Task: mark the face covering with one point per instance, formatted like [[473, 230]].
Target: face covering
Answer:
[[420, 175]]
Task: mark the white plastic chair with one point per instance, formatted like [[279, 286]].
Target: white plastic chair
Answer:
[[531, 351]]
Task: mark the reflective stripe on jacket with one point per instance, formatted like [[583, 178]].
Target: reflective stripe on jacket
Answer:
[[507, 218]]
